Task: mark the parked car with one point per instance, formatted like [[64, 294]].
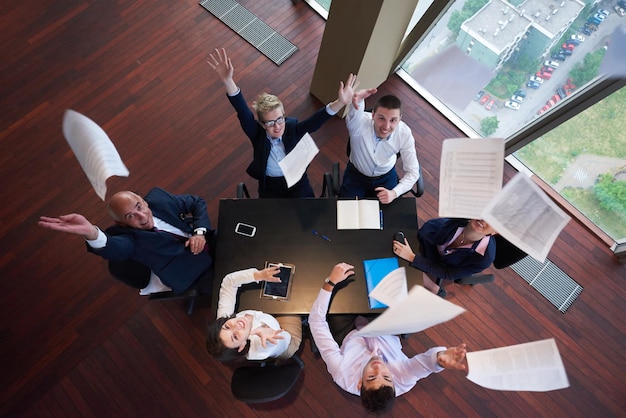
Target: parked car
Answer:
[[566, 52], [517, 99], [520, 93], [533, 85], [545, 76], [591, 26], [536, 79], [490, 104], [594, 20], [578, 38], [479, 95], [622, 4], [599, 16], [620, 11], [585, 30], [552, 64], [512, 105], [575, 42], [484, 99], [568, 47], [603, 12], [547, 70], [561, 92]]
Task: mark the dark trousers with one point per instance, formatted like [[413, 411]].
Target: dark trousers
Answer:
[[276, 187], [356, 184]]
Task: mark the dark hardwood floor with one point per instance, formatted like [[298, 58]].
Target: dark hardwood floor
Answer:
[[76, 343]]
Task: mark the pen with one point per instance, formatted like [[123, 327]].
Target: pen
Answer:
[[324, 237], [381, 220]]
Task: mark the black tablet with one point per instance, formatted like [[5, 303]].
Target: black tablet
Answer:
[[279, 290]]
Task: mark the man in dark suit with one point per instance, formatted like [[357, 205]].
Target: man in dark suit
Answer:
[[165, 232], [274, 135]]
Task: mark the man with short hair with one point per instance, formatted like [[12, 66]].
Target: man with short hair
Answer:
[[375, 368], [375, 140], [165, 232]]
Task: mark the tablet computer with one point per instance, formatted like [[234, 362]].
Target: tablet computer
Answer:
[[279, 290]]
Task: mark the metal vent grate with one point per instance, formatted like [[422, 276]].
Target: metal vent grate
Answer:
[[251, 28], [549, 280]]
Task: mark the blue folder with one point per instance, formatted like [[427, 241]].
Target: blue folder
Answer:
[[375, 271]]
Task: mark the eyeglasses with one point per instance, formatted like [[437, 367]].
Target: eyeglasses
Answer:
[[270, 123]]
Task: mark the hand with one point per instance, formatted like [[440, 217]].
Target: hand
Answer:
[[224, 69], [196, 243], [453, 358], [361, 95], [268, 274], [267, 334], [403, 250], [73, 223], [341, 272], [344, 95], [385, 196]]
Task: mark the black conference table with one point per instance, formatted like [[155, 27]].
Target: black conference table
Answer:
[[284, 234]]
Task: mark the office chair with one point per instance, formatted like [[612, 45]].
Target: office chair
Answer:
[[266, 381], [137, 275], [331, 183], [506, 254], [242, 191]]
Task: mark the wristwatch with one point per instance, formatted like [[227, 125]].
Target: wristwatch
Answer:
[[327, 281], [199, 231]]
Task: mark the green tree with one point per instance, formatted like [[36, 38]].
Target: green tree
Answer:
[[588, 69], [489, 125], [456, 20], [611, 194]]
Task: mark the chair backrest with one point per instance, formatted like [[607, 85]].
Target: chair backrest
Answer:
[[506, 253], [242, 191], [267, 381]]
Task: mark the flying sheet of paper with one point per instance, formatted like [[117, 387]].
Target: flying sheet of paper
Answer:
[[523, 214], [295, 163], [421, 309], [534, 367], [93, 149], [470, 176], [392, 289]]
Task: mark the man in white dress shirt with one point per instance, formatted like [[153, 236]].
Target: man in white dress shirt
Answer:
[[375, 368], [375, 140]]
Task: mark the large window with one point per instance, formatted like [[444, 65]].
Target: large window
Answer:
[[539, 58]]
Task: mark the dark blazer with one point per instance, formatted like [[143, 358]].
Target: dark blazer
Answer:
[[162, 252], [462, 262], [294, 131]]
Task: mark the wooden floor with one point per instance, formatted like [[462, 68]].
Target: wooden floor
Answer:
[[75, 343]]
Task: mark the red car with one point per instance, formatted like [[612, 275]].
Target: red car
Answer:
[[569, 47], [547, 70], [545, 76], [489, 105], [484, 99]]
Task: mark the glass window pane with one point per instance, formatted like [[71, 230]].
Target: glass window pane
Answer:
[[584, 160]]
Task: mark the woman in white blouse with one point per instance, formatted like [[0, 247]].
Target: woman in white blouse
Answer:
[[255, 334]]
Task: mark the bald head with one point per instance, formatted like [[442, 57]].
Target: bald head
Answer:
[[129, 209]]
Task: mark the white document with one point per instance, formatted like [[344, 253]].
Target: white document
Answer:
[[392, 289], [523, 214], [295, 163], [534, 367], [470, 176], [358, 214], [93, 149], [421, 309]]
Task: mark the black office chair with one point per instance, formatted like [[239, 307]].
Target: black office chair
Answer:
[[266, 381], [242, 191], [506, 254], [331, 183]]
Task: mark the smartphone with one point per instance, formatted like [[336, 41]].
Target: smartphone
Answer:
[[245, 229]]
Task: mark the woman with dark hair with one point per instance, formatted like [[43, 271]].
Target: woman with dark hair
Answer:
[[253, 334], [450, 249]]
